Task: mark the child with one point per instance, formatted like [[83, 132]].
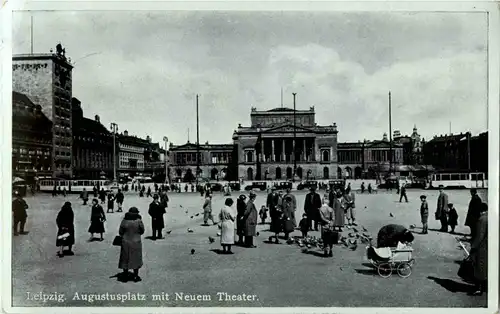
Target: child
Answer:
[[452, 217], [263, 214], [424, 213], [304, 225]]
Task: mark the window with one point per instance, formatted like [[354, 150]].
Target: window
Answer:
[[325, 155], [249, 156], [445, 177]]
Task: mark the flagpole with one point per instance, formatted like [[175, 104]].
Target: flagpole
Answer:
[[197, 140], [31, 35]]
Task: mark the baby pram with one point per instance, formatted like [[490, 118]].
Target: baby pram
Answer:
[[387, 259]]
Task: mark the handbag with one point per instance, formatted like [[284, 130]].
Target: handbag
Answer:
[[466, 270], [117, 241]]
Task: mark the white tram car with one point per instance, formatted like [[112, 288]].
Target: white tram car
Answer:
[[73, 186], [459, 180]]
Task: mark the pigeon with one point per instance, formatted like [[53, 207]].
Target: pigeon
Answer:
[[364, 229], [308, 246], [412, 226], [219, 226], [289, 241], [192, 251], [390, 214], [192, 217], [181, 206], [169, 231], [190, 230], [365, 206], [354, 247], [304, 250], [351, 234], [186, 211], [301, 244], [197, 214], [355, 229], [366, 234], [212, 240], [258, 233], [218, 234]]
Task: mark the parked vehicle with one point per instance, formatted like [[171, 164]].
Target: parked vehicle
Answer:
[[235, 186], [389, 184], [283, 185], [307, 185], [337, 184], [256, 186]]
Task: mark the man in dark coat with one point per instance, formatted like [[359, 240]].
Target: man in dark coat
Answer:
[[84, 196], [390, 235], [473, 212], [156, 211], [164, 198], [273, 203], [119, 200], [241, 207], [102, 196], [20, 215], [403, 193], [250, 221], [441, 211], [311, 207]]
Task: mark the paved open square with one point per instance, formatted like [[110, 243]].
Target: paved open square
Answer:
[[269, 275]]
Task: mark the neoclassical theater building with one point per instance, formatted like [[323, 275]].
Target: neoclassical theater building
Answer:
[[264, 149]]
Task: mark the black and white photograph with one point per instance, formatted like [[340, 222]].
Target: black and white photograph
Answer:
[[251, 159]]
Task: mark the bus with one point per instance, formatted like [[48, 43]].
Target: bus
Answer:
[[458, 180], [73, 186]]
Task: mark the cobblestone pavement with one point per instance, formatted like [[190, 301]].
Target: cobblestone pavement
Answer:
[[272, 275]]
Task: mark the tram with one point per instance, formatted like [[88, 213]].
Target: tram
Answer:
[[459, 180], [73, 186]]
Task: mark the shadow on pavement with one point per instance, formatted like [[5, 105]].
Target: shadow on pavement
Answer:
[[315, 253], [369, 272], [218, 251], [452, 285], [122, 277]]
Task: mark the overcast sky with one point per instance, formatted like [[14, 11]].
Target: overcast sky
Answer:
[[143, 69]]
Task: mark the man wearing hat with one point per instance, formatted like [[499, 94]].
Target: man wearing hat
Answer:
[[424, 213], [156, 211], [250, 220], [311, 207], [473, 212], [442, 204], [273, 203], [19, 207], [241, 206]]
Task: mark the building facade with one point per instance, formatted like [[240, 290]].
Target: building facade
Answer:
[[31, 139], [92, 146], [46, 79], [215, 161], [412, 147], [265, 149], [368, 159]]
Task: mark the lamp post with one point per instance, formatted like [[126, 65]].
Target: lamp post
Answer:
[[114, 129], [165, 139], [294, 139]]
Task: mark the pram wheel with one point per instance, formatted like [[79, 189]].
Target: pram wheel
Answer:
[[412, 262], [384, 270], [404, 270]]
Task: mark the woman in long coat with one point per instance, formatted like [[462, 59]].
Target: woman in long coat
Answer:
[[288, 215], [338, 210], [479, 251], [241, 206], [227, 218], [66, 229], [131, 230], [97, 219], [250, 221]]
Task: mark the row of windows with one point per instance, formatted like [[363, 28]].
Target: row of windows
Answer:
[[132, 148], [34, 151], [62, 143], [187, 158], [125, 164], [62, 122], [31, 167], [124, 156], [62, 153]]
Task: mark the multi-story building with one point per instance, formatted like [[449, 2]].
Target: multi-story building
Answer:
[[368, 159], [265, 149], [412, 147], [215, 161], [31, 139], [154, 160], [458, 152], [92, 146], [46, 79], [131, 151]]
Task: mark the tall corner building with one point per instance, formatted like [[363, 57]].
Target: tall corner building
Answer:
[[46, 78]]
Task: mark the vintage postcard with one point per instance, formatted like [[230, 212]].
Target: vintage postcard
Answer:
[[234, 157]]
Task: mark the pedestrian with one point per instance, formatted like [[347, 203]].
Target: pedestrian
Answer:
[[185, 188], [327, 217], [54, 191], [370, 189], [227, 218], [156, 188], [287, 216], [59, 190], [294, 205], [97, 219], [338, 211], [390, 235], [348, 188], [311, 207], [424, 213], [111, 202], [207, 209], [156, 211], [141, 193], [102, 196], [273, 203], [304, 225], [164, 199], [148, 194], [263, 214], [119, 200], [479, 252], [348, 203], [192, 188], [66, 230], [19, 213], [64, 192], [362, 187], [403, 193], [452, 217], [241, 207], [440, 214], [95, 191], [250, 221], [131, 229], [84, 196], [473, 212]]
